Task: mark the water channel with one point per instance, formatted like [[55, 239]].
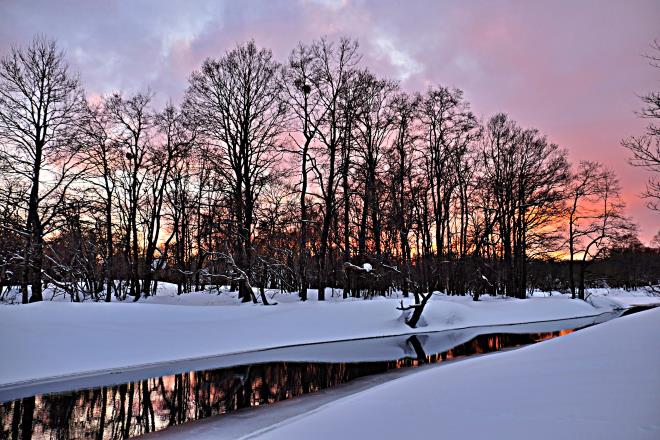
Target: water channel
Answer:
[[150, 398]]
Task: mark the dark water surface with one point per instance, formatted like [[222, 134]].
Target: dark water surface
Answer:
[[130, 409]]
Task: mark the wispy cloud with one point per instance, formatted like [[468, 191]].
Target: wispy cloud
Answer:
[[571, 68]]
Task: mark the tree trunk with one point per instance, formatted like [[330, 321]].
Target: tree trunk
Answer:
[[581, 288], [325, 232], [27, 418], [35, 256], [571, 266], [302, 264], [36, 268]]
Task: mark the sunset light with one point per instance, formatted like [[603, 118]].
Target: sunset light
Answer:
[[406, 219]]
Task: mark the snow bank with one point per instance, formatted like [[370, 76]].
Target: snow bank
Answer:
[[601, 382], [52, 339]]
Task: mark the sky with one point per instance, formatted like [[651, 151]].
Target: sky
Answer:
[[574, 69]]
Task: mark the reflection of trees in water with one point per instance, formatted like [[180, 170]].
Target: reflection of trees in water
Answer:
[[140, 407], [127, 410]]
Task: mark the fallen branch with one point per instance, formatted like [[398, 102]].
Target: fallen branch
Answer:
[[417, 309]]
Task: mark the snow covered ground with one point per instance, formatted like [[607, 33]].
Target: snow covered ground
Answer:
[[52, 340], [601, 382]]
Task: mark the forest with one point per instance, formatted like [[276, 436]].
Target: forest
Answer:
[[306, 173]]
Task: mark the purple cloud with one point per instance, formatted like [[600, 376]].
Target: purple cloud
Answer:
[[570, 68]]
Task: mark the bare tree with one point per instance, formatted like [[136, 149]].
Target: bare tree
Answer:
[[238, 104], [311, 174], [584, 193], [645, 149], [300, 83], [41, 103], [596, 219], [336, 62], [184, 210], [374, 124], [402, 161], [526, 176], [174, 141], [132, 120], [102, 156], [12, 234], [448, 128]]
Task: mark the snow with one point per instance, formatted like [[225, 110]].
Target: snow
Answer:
[[51, 340], [242, 423], [601, 382]]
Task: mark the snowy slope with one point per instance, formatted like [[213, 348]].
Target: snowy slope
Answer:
[[602, 383], [58, 338]]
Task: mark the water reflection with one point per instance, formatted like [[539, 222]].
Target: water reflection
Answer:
[[127, 410]]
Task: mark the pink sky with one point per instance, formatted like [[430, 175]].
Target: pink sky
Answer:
[[573, 69]]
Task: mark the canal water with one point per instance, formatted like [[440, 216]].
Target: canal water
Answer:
[[119, 408]]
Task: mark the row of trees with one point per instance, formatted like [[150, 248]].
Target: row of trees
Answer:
[[312, 173]]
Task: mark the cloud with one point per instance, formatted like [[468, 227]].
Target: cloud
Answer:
[[405, 65], [571, 68]]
